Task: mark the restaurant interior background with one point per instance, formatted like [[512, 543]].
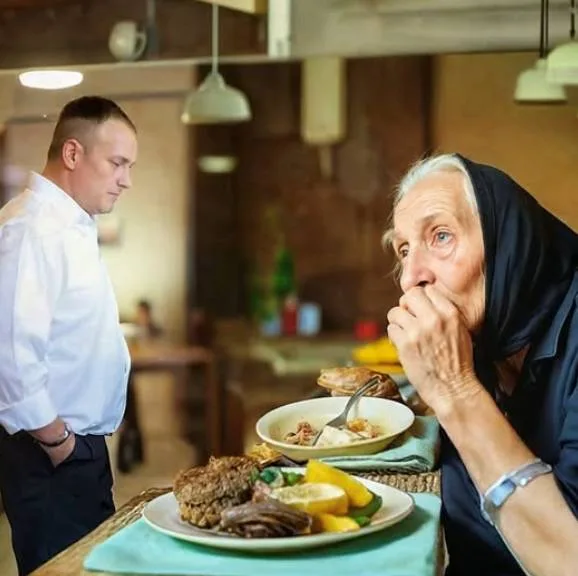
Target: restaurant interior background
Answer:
[[204, 247]]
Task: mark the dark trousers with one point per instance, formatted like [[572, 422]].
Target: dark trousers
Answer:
[[130, 444], [51, 508]]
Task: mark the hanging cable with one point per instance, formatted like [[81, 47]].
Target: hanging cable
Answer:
[[215, 37], [543, 28]]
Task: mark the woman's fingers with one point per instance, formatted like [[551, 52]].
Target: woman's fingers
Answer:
[[442, 305], [416, 302], [401, 317]]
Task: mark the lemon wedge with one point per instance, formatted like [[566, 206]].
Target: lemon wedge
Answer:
[[357, 493], [314, 498]]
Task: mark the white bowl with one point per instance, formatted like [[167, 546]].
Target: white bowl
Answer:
[[392, 417]]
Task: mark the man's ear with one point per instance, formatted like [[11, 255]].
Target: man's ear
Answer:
[[71, 151]]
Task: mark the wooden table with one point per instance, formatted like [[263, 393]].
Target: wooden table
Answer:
[[160, 355], [70, 561], [157, 355]]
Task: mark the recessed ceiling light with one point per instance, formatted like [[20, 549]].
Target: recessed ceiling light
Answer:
[[50, 79]]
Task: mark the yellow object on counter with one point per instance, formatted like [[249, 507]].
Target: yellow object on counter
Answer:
[[381, 351]]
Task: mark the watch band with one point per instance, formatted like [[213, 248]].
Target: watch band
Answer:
[[497, 494], [60, 441]]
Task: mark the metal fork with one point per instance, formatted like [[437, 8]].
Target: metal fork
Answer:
[[342, 418]]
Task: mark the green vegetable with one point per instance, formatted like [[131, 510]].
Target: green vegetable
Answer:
[[269, 475], [292, 478], [363, 515], [276, 478], [362, 520], [273, 477], [254, 475]]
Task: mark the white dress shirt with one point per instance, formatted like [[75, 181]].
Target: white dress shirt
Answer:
[[62, 352]]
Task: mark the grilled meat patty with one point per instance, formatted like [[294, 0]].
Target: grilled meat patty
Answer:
[[203, 492]]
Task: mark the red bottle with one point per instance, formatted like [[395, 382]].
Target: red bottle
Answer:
[[366, 330], [289, 316]]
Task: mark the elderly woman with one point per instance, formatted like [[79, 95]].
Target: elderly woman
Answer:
[[487, 332]]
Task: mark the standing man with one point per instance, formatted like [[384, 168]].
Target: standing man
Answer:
[[64, 363]]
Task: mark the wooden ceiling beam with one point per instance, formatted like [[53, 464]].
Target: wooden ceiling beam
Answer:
[[249, 6], [15, 4]]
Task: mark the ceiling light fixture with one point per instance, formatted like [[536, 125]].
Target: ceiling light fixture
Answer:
[[214, 102], [563, 61], [50, 79], [532, 86]]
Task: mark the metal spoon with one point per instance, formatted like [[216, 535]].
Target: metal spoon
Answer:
[[342, 418]]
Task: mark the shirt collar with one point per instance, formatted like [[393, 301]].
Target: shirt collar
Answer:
[[58, 197], [548, 345]]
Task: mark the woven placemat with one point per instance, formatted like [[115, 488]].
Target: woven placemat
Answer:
[[70, 561], [425, 482]]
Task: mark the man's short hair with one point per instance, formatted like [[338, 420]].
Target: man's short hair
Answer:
[[80, 116]]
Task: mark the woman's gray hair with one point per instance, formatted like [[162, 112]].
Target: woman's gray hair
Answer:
[[424, 168]]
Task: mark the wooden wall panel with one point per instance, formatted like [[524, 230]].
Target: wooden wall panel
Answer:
[[333, 226], [77, 32]]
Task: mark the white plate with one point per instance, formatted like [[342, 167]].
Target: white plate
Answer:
[[162, 514]]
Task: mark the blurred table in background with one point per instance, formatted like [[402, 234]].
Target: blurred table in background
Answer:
[[199, 365]]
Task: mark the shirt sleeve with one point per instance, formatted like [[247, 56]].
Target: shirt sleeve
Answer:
[[30, 283]]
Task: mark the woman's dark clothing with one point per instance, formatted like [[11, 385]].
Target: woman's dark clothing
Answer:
[[531, 300]]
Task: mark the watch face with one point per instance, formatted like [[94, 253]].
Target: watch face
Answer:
[[501, 492], [495, 498]]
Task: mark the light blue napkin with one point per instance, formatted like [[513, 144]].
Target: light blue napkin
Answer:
[[409, 548], [414, 452]]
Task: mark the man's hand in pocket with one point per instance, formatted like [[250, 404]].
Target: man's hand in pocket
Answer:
[[60, 453]]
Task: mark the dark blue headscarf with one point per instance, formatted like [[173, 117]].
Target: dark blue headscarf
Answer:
[[530, 258]]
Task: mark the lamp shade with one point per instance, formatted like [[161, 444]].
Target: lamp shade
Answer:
[[214, 102], [532, 87], [217, 164], [563, 64]]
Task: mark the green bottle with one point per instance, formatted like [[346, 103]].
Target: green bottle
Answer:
[[283, 275]]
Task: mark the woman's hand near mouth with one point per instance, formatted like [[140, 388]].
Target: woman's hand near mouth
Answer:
[[434, 347]]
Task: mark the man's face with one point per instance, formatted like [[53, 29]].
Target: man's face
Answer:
[[102, 171]]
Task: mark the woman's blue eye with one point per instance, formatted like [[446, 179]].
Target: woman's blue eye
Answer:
[[443, 236]]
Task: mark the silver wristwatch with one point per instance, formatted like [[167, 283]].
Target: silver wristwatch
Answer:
[[497, 494]]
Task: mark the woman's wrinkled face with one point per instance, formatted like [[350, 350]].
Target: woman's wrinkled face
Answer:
[[437, 237]]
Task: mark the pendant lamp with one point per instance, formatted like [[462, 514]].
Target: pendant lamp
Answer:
[[214, 102], [532, 86], [563, 61]]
